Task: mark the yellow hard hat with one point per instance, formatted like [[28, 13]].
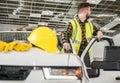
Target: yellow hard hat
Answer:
[[44, 38]]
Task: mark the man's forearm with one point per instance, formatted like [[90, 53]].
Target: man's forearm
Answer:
[[66, 35]]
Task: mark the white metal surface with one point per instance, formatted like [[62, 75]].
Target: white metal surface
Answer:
[[37, 57], [106, 77]]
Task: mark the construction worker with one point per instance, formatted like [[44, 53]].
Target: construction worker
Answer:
[[44, 38], [80, 30]]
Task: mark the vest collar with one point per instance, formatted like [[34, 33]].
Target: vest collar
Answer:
[[81, 23]]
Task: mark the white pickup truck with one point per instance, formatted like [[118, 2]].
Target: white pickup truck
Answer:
[[37, 66]]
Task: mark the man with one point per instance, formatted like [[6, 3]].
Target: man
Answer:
[[80, 30]]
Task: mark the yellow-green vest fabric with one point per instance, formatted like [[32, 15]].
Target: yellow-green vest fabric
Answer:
[[77, 33]]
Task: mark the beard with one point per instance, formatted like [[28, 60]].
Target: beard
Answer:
[[87, 17]]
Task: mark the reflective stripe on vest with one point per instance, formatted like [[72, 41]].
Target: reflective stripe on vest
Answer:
[[77, 33]]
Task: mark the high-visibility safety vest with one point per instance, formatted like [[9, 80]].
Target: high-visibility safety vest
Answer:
[[77, 33]]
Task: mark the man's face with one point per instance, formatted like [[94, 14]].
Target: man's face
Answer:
[[86, 11]]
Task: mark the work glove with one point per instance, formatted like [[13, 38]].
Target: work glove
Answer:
[[2, 45], [10, 46], [22, 46], [15, 45]]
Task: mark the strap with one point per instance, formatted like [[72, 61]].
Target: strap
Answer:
[[76, 41], [90, 27], [75, 33]]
